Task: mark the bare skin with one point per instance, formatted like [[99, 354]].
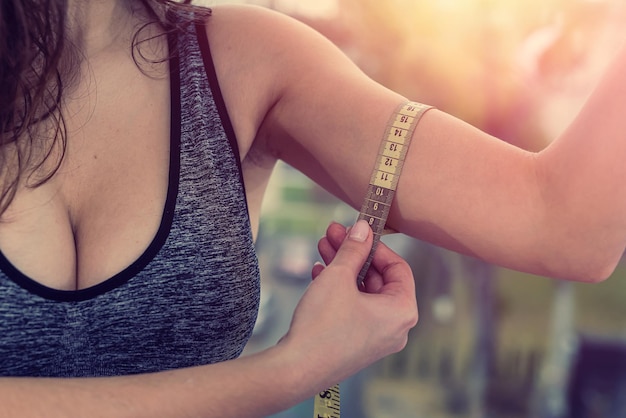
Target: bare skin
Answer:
[[462, 189]]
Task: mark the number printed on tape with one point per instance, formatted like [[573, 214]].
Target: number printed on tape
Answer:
[[387, 169]]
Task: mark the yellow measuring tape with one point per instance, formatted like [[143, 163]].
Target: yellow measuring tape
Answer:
[[375, 209], [327, 403]]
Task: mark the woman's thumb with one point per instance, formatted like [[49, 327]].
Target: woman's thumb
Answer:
[[355, 249]]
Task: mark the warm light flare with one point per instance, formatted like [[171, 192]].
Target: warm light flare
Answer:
[[498, 64], [517, 69]]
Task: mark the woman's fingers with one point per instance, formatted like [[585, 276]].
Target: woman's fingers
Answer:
[[383, 259], [318, 268], [354, 248]]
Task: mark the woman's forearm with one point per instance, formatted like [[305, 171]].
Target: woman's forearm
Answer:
[[253, 386]]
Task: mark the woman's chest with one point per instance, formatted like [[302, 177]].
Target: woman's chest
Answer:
[[104, 204]]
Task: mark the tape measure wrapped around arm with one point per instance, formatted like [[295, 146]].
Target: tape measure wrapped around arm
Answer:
[[376, 206], [387, 170]]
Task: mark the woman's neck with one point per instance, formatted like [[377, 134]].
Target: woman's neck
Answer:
[[95, 26]]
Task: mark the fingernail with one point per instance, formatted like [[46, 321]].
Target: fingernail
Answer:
[[359, 231]]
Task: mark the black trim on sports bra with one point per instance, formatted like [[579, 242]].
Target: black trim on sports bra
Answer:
[[166, 220]]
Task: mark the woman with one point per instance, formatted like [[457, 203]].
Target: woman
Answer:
[[129, 283]]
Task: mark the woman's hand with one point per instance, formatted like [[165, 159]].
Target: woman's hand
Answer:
[[341, 329]]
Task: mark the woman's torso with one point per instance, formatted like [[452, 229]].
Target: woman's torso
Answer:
[[91, 255]]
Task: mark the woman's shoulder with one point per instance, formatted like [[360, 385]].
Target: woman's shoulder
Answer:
[[246, 19], [260, 55], [259, 31]]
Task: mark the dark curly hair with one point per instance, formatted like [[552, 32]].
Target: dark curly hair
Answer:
[[36, 61]]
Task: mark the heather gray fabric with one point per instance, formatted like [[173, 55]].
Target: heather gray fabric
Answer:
[[191, 298]]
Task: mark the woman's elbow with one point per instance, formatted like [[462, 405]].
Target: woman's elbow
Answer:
[[588, 263], [596, 273]]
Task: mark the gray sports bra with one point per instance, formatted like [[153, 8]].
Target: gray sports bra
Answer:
[[191, 298]]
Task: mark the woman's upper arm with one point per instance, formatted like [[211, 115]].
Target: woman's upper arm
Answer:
[[460, 188]]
